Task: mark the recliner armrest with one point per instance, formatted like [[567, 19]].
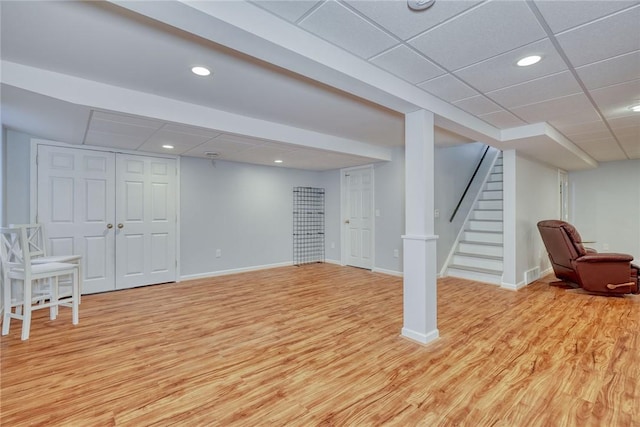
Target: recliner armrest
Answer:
[[605, 257]]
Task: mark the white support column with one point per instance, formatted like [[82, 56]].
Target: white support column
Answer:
[[419, 242]]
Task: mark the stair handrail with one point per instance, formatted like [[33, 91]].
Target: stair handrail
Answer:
[[455, 211]]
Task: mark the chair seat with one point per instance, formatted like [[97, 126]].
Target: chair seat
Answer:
[[43, 269], [56, 258]]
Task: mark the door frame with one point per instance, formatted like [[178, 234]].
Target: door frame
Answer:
[[563, 195], [344, 213], [33, 185]]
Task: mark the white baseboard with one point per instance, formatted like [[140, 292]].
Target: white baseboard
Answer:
[[513, 287], [234, 271], [523, 284], [419, 337], [333, 261], [389, 272], [546, 272]]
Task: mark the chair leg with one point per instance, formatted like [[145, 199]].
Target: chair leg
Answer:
[[6, 303], [53, 297], [26, 309], [75, 295]]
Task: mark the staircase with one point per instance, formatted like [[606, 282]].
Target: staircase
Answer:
[[478, 254]]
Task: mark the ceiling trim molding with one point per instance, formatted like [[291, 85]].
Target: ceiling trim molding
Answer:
[[102, 96]]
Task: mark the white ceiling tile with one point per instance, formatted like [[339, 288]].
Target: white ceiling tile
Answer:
[[287, 9], [611, 71], [126, 119], [614, 101], [579, 128], [633, 151], [603, 150], [407, 64], [342, 27], [628, 134], [225, 144], [121, 128], [502, 119], [182, 142], [478, 105], [596, 41], [572, 108], [112, 140], [538, 90], [631, 145], [480, 34], [562, 15], [632, 120], [449, 88], [398, 19], [502, 71], [582, 138], [190, 130]]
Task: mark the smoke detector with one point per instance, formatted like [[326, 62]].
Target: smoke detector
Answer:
[[420, 4]]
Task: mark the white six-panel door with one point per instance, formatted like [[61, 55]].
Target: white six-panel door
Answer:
[[76, 204], [116, 210], [146, 216], [359, 222]]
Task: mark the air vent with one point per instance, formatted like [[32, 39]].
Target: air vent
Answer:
[[531, 275]]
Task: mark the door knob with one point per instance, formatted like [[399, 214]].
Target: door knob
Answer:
[[346, 221], [120, 225], [109, 226]]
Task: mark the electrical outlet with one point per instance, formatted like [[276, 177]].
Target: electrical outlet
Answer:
[[436, 213], [396, 253], [218, 253], [377, 212], [333, 245], [605, 246]]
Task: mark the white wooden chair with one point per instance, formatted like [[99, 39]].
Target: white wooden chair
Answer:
[[17, 267], [38, 250]]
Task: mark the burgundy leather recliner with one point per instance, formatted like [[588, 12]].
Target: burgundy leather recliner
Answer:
[[609, 273]]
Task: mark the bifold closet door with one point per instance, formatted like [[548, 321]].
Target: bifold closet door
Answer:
[[116, 210], [145, 220], [76, 204]]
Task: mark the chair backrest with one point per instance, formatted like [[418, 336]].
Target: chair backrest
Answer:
[[13, 240], [562, 240], [564, 245], [35, 238]]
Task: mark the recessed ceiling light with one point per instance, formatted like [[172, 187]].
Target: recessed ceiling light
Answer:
[[277, 161], [635, 108], [201, 71], [168, 146], [529, 60]]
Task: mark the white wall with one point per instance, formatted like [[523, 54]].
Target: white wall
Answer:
[[605, 206], [389, 202], [3, 179], [17, 196], [536, 199], [243, 210], [330, 181]]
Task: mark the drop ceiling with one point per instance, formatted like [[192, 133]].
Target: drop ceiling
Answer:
[[325, 84]]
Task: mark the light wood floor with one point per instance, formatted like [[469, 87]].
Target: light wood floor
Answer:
[[320, 345]]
